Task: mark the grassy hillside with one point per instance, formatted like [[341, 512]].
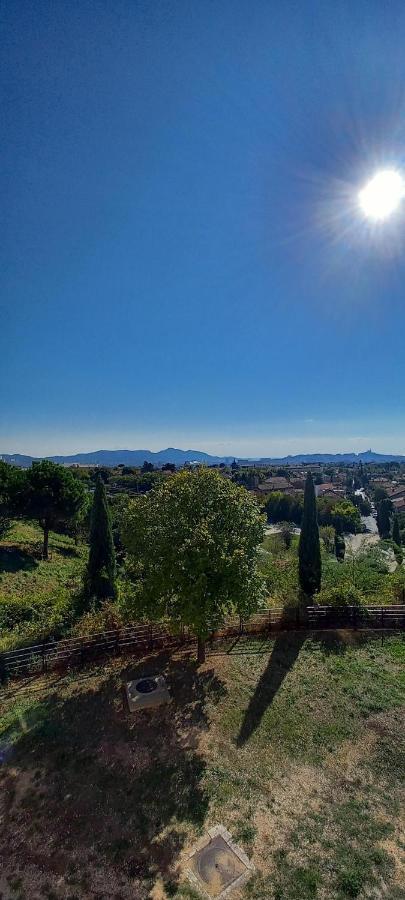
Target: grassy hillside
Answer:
[[36, 595], [296, 745], [362, 578]]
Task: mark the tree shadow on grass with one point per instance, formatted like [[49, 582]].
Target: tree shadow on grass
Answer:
[[336, 642], [117, 793], [285, 652], [13, 559], [189, 687], [69, 552]]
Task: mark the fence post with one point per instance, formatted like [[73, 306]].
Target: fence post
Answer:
[[43, 657], [117, 641], [81, 652], [150, 637], [3, 671]]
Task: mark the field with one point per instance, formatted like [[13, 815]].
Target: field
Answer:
[[36, 595], [296, 745]]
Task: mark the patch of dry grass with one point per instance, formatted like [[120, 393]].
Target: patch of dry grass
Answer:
[[295, 745]]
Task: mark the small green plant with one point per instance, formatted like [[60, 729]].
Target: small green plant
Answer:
[[341, 595], [350, 883]]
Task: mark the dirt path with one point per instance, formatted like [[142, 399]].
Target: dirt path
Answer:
[[356, 543]]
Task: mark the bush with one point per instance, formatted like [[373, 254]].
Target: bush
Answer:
[[26, 621], [327, 536], [107, 617], [396, 586], [280, 572], [286, 534], [340, 595], [15, 611], [340, 546], [398, 553]]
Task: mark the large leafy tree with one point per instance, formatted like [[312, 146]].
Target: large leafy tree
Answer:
[[192, 547], [309, 551], [52, 495], [101, 569], [342, 514]]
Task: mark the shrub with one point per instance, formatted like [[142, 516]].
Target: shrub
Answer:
[[340, 595], [286, 534], [327, 536], [396, 585], [106, 617], [340, 546]]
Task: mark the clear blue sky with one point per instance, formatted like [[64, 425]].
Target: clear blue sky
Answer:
[[183, 261]]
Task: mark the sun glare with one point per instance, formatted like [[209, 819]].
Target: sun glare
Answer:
[[382, 195]]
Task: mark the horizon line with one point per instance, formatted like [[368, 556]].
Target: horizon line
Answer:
[[194, 450]]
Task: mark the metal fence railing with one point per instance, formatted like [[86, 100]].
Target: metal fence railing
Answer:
[[140, 639]]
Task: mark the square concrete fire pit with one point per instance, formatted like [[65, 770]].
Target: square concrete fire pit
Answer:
[[217, 866], [147, 692]]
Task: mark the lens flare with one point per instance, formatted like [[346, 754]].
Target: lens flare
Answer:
[[382, 195]]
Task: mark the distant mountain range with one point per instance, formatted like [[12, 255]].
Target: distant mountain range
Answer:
[[179, 457]]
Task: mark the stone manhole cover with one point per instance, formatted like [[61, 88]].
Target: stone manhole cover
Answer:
[[218, 865]]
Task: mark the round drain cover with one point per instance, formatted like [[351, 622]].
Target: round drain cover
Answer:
[[146, 685], [217, 865]]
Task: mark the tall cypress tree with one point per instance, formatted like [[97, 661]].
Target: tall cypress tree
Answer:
[[309, 551], [101, 570], [396, 534], [384, 510]]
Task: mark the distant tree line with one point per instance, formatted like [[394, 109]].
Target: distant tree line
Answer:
[[343, 515]]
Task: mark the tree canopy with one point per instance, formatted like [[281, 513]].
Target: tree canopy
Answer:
[[340, 513], [12, 483], [192, 544], [52, 495]]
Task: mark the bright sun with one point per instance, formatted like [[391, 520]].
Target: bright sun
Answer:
[[382, 195]]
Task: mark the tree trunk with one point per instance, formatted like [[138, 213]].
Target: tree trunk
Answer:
[[46, 538], [200, 650]]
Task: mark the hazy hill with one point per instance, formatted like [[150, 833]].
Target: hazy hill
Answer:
[[179, 457]]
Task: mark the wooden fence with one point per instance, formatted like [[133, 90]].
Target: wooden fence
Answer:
[[140, 639]]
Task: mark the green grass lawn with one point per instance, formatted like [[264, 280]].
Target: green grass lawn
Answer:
[[36, 594], [296, 745]]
